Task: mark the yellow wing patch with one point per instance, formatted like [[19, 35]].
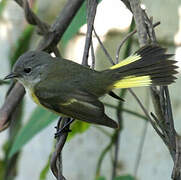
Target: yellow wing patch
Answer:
[[133, 81], [126, 61], [70, 101]]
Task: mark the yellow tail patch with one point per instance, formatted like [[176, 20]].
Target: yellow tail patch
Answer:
[[133, 81], [126, 61]]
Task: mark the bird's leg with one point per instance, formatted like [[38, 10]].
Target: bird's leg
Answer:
[[65, 128]]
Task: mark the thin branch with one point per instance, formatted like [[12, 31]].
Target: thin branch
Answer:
[[93, 56], [92, 7], [118, 134], [103, 48], [139, 21], [177, 163], [33, 19], [116, 153], [126, 38], [31, 16], [146, 113], [140, 148], [128, 111], [127, 4], [103, 131], [101, 157]]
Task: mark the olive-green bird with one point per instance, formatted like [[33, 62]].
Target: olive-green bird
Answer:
[[68, 88]]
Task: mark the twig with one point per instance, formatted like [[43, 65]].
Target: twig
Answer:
[[141, 143], [140, 148], [177, 163], [127, 4], [103, 48], [126, 38], [116, 153], [101, 157], [93, 56], [139, 21], [33, 19], [108, 134], [31, 16], [92, 7], [121, 44], [146, 113], [128, 111], [117, 135]]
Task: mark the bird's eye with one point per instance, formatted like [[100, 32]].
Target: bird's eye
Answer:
[[27, 70]]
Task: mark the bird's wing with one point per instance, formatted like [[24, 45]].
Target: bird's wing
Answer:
[[76, 103]]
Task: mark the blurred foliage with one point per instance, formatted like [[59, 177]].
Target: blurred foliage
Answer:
[[39, 119], [22, 44], [101, 178], [78, 127], [2, 5], [77, 22], [126, 177], [9, 166], [2, 166], [2, 82]]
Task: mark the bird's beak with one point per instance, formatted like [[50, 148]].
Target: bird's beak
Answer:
[[11, 76]]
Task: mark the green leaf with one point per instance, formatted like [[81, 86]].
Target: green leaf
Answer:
[[39, 119], [125, 177], [75, 25], [101, 178], [45, 170], [78, 127]]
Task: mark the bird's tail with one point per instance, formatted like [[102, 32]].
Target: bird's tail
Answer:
[[148, 66]]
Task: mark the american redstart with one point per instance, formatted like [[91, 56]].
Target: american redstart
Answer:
[[68, 88]]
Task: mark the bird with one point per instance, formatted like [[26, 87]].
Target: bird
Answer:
[[73, 90]]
